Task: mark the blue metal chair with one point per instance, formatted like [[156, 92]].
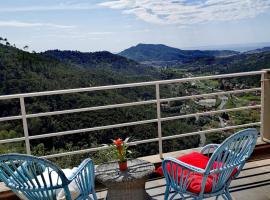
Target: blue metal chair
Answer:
[[25, 175], [223, 166]]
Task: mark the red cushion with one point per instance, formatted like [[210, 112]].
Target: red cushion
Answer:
[[197, 160], [196, 182]]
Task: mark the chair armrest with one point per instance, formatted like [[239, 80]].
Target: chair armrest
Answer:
[[87, 163], [182, 165], [206, 149]]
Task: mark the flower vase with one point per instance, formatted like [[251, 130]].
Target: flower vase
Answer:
[[122, 166]]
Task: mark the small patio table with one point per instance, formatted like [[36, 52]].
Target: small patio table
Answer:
[[126, 185]]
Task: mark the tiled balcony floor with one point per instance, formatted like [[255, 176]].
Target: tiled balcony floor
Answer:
[[252, 184]]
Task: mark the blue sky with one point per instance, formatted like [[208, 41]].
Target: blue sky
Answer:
[[94, 25]]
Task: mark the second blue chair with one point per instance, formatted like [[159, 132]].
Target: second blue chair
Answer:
[[221, 168]]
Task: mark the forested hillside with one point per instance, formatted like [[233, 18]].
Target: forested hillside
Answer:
[[237, 63], [21, 71], [103, 60]]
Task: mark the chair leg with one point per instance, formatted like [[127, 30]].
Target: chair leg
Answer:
[[167, 192], [228, 195], [94, 195], [217, 197], [224, 197]]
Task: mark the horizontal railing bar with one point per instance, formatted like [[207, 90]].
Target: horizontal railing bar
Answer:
[[2, 119], [211, 94], [201, 78], [143, 141], [108, 87], [132, 123], [75, 152], [134, 103], [90, 109], [153, 140], [12, 140], [126, 104], [97, 149], [209, 113], [211, 131], [92, 129], [138, 122]]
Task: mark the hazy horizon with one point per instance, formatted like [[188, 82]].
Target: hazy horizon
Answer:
[[115, 25]]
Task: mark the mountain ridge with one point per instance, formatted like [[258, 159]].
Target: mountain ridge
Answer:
[[260, 50], [162, 53], [99, 60]]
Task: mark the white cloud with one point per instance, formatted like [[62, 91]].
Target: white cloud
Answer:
[[20, 24], [186, 12]]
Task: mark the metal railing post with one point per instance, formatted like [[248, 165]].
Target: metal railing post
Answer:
[[159, 122], [25, 126], [265, 106]]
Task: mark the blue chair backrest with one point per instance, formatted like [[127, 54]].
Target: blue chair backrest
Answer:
[[35, 178], [230, 157]]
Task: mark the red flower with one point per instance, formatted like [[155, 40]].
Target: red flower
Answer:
[[118, 142], [120, 149]]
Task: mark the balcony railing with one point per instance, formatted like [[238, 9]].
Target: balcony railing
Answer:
[[265, 111]]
